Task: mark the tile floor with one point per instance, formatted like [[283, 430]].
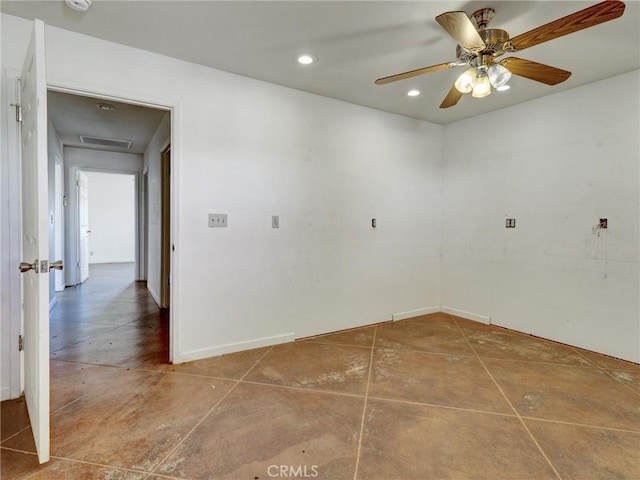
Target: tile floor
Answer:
[[427, 398]]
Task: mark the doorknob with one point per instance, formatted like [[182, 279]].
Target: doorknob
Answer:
[[25, 267], [56, 265]]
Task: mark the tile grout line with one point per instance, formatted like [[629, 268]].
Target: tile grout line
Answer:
[[301, 389], [364, 407], [619, 381], [206, 415], [256, 363], [584, 425], [446, 407], [607, 371], [91, 337], [102, 465], [509, 402], [50, 415], [68, 404], [74, 460], [15, 435], [10, 449], [339, 344], [166, 457]]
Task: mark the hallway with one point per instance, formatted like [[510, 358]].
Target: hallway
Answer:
[[109, 320], [431, 397]]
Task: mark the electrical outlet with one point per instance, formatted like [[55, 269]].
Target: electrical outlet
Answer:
[[603, 223], [511, 223], [217, 220], [275, 221]]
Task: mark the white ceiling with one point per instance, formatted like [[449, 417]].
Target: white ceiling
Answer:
[[73, 115], [354, 43]]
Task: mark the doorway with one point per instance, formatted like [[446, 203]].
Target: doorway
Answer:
[[107, 210], [113, 273]]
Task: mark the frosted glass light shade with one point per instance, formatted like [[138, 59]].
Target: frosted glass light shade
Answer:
[[466, 81], [482, 88], [498, 75]]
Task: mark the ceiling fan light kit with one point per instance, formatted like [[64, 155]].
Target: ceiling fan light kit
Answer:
[[498, 75], [480, 47], [482, 87], [466, 81]]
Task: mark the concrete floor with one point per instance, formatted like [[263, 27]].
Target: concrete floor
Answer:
[[425, 398]]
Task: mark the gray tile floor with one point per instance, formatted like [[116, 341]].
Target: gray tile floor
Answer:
[[426, 398]]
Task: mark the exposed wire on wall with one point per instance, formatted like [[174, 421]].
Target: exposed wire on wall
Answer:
[[596, 244]]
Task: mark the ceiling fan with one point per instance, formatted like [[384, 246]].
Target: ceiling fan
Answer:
[[479, 47]]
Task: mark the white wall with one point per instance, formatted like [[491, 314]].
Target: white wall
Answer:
[[89, 160], [252, 150], [557, 164], [111, 217], [152, 155]]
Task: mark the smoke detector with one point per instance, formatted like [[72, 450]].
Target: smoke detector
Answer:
[[78, 5]]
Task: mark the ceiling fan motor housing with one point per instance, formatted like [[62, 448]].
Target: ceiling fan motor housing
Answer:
[[494, 39]]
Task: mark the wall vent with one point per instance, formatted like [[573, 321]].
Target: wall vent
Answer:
[[106, 142]]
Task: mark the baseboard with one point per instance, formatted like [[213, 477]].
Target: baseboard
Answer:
[[414, 313], [53, 302], [234, 347], [153, 294], [468, 315]]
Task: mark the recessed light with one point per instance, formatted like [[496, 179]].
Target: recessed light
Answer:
[[413, 93], [305, 59], [503, 88], [105, 106]]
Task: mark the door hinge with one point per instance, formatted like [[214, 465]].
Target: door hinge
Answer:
[[18, 112], [20, 343]]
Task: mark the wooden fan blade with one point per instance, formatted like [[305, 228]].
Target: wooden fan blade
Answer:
[[414, 73], [535, 71], [462, 30], [452, 98], [589, 17]]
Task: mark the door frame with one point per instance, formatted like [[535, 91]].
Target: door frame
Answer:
[[165, 226], [13, 306], [173, 107]]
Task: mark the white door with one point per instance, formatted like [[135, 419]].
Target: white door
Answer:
[[83, 222], [35, 240]]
